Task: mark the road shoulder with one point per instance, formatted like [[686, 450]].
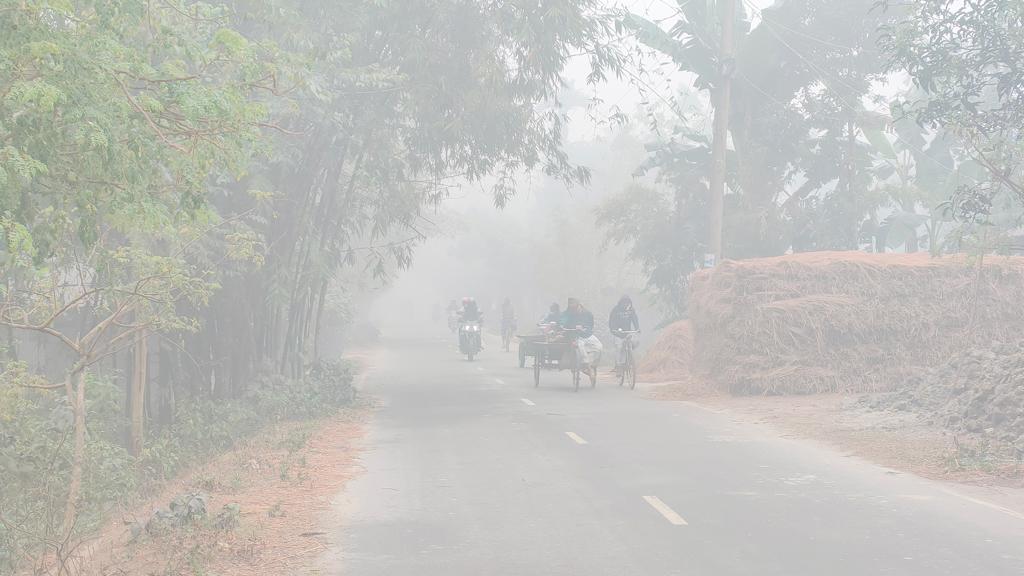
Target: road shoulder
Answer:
[[845, 423]]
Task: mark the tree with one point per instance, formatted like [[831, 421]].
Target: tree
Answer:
[[800, 74], [664, 225], [114, 116], [966, 58]]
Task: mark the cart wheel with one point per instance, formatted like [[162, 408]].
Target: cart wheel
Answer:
[[536, 370]]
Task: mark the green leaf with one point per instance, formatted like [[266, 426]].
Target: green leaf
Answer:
[[229, 41]]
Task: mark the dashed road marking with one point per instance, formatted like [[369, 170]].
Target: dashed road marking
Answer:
[[575, 437], [664, 510], [527, 401], [499, 381]]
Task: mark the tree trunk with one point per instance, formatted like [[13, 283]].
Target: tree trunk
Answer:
[[138, 394], [321, 299], [75, 390]]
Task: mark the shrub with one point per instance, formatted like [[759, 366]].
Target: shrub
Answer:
[[35, 445]]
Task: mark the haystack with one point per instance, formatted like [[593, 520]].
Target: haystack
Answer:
[[847, 321], [668, 359]]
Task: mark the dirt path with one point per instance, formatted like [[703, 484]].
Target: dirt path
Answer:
[[265, 503]]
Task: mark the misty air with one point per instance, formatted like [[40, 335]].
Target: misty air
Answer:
[[511, 287]]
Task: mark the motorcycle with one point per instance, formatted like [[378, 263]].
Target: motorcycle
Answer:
[[470, 342]]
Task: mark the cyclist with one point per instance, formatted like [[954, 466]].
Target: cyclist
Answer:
[[622, 319]]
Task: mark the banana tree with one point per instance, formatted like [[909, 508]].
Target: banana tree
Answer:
[[791, 91]]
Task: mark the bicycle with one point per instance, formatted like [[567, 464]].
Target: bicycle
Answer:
[[627, 370]]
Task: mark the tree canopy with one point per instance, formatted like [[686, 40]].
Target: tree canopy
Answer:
[[968, 61]]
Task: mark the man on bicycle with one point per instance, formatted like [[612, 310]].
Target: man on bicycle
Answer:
[[621, 321]]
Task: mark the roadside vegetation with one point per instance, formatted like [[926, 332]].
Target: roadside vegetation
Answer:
[[194, 197], [867, 127]]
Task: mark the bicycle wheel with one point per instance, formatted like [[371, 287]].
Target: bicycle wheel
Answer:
[[629, 370]]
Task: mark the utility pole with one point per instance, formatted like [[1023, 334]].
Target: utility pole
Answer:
[[721, 98]]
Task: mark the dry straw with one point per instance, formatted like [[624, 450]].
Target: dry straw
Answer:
[[847, 321]]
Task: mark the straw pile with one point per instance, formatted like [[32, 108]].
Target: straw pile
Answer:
[[846, 321], [669, 358]]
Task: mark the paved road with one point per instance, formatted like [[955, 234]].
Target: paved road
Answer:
[[471, 471]]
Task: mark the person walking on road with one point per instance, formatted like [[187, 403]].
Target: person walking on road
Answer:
[[508, 323]]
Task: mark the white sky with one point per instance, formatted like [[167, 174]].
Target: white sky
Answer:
[[621, 93], [627, 98]]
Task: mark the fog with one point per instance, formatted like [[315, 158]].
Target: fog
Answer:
[[276, 283], [544, 247]]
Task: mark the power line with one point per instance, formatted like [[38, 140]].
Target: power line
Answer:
[[781, 104], [800, 32]]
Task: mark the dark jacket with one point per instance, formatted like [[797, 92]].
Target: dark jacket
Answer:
[[623, 319], [471, 313], [582, 318]]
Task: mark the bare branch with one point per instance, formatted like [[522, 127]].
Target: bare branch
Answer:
[[74, 346]]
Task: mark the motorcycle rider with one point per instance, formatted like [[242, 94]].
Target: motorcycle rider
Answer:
[[622, 319], [579, 318], [470, 313]]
